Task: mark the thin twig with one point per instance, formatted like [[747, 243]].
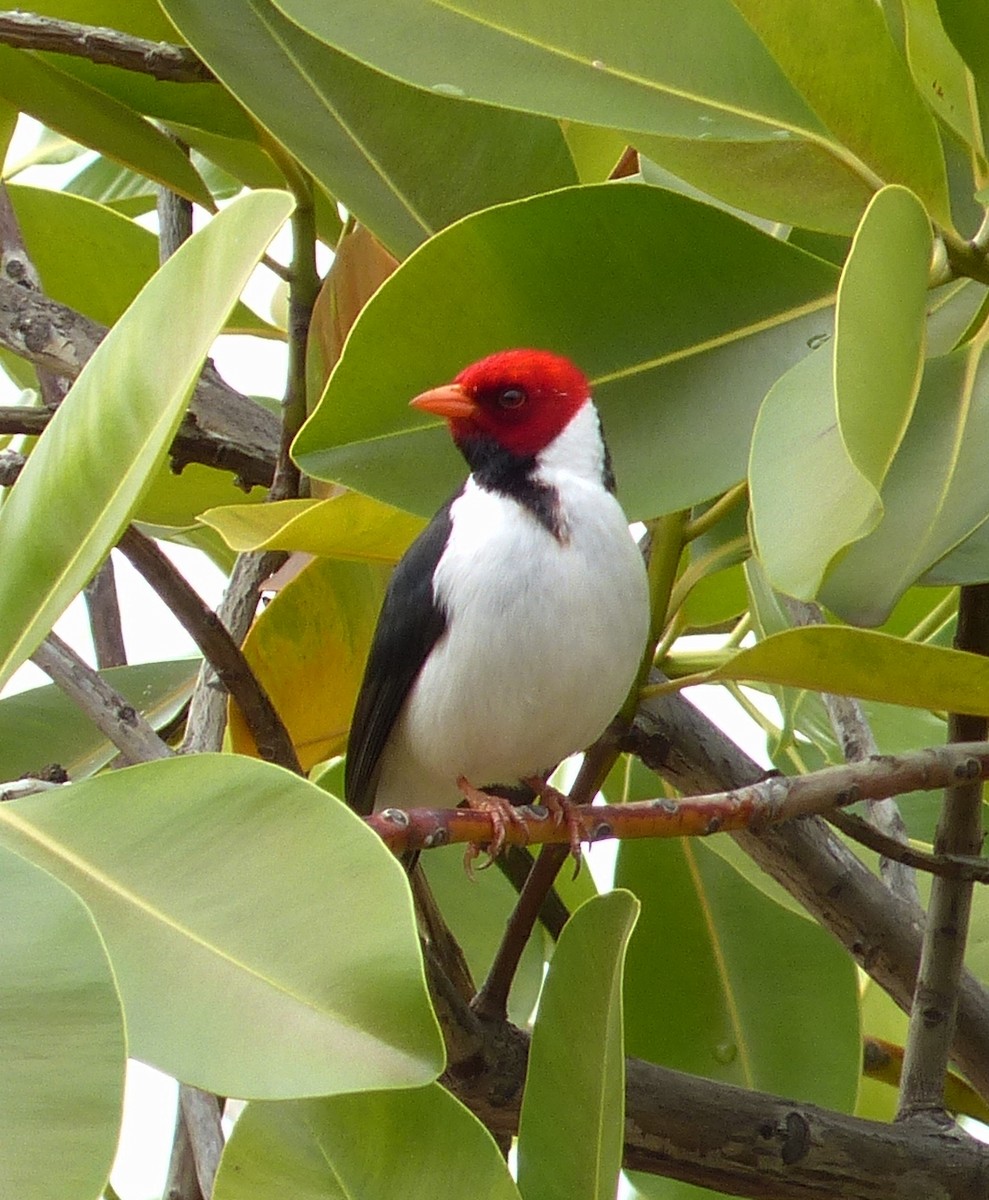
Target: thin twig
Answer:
[[223, 653], [959, 832], [105, 707], [174, 64], [303, 290], [857, 743], [174, 213], [104, 617], [950, 866]]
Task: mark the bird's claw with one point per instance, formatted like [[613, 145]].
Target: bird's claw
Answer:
[[562, 809], [502, 813]]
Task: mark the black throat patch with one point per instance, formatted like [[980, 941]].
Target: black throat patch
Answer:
[[498, 470]]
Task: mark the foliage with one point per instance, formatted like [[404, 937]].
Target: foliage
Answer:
[[781, 301]]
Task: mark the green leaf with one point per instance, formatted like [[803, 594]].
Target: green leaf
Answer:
[[67, 508], [596, 273], [933, 496], [344, 526], [91, 117], [862, 662], [217, 883], [477, 909], [62, 1051], [939, 73], [965, 23], [842, 61], [576, 1074], [710, 951], [694, 89], [42, 726], [808, 501], [307, 1149], [71, 239], [879, 329], [383, 148]]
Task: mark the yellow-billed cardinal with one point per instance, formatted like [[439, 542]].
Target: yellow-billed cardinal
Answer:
[[513, 627]]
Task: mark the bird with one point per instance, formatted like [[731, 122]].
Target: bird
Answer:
[[513, 627]]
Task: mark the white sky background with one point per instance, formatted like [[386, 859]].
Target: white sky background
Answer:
[[254, 366]]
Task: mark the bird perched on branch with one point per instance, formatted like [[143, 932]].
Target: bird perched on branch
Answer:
[[513, 627]]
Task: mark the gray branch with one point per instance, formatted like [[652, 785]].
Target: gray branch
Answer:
[[222, 428], [959, 831], [162, 60], [105, 707]]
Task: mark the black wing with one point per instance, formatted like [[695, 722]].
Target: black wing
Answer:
[[409, 625]]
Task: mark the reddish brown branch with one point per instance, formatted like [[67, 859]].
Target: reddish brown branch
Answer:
[[768, 802], [218, 647]]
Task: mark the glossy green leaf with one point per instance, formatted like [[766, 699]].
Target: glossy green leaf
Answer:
[[695, 89], [384, 149], [91, 117], [178, 860], [840, 58], [968, 562], [62, 1051], [178, 500], [808, 500], [879, 329], [71, 239], [344, 526], [42, 726], [939, 71], [596, 273], [862, 662], [67, 508], [307, 1149], [934, 494], [964, 22], [722, 982], [576, 1074]]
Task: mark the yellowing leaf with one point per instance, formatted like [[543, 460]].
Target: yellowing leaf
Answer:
[[347, 525], [308, 648]]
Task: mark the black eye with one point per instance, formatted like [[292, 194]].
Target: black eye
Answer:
[[513, 397]]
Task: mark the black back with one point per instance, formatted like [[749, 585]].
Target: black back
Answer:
[[409, 625]]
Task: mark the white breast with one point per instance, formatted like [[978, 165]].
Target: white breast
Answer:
[[543, 641]]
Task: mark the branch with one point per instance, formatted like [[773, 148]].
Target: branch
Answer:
[[216, 644], [222, 428], [715, 1135], [881, 931], [303, 290], [104, 617], [778, 798], [959, 831], [949, 866], [174, 64], [105, 707]]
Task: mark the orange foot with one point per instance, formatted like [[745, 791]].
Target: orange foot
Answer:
[[562, 809], [501, 811]]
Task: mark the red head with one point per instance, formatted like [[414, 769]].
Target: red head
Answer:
[[520, 398]]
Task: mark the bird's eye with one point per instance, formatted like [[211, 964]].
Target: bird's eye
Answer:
[[512, 398]]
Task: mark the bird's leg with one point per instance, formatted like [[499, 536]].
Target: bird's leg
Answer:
[[500, 810], [562, 809]]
